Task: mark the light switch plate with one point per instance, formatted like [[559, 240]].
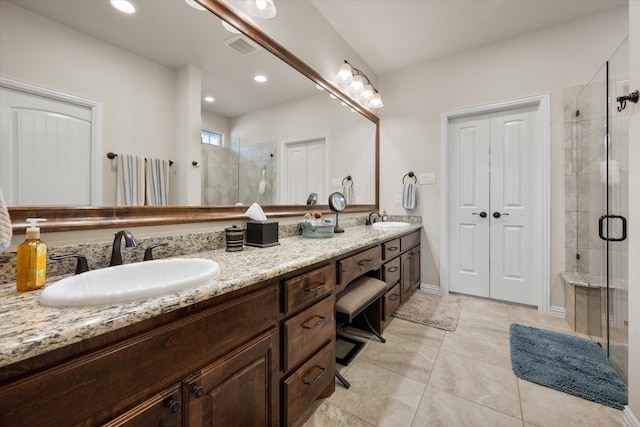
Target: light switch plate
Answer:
[[427, 178], [398, 199]]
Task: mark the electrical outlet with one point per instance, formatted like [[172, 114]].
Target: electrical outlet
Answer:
[[427, 178], [336, 183], [398, 199]]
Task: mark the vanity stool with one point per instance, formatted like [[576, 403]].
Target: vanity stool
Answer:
[[357, 296]]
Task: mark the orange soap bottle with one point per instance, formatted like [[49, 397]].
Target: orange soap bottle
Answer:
[[32, 259]]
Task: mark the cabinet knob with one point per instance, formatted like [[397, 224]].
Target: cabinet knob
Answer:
[[172, 404], [198, 391]]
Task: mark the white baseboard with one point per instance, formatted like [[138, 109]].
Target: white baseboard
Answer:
[[430, 288], [628, 419], [557, 311]]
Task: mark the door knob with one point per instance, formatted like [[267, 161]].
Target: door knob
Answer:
[[481, 214], [498, 214]]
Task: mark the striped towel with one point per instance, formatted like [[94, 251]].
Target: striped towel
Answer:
[[130, 172], [5, 225], [347, 191], [409, 195], [157, 182]]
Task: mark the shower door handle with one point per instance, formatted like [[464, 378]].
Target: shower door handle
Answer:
[[612, 239]]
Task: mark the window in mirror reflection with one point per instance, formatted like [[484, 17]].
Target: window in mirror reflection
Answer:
[[212, 138]]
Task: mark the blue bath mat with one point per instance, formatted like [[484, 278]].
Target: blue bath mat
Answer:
[[566, 363]]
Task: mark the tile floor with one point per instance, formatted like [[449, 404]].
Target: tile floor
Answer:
[[429, 377]]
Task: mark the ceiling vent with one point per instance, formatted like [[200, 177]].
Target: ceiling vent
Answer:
[[242, 45]]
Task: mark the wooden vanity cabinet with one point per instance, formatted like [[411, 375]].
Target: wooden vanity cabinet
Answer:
[[308, 341], [116, 381], [410, 265], [239, 390], [162, 410]]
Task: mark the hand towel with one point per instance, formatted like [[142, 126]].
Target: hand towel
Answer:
[[409, 195], [347, 191], [130, 173], [157, 182], [5, 225]]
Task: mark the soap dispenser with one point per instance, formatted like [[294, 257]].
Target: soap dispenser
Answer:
[[32, 259]]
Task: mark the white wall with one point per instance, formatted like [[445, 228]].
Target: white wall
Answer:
[[138, 95], [539, 62], [350, 137], [634, 212]]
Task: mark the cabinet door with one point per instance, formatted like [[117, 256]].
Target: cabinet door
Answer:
[[162, 410], [238, 390], [415, 267]]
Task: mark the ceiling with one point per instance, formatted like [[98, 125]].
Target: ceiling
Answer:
[[394, 34], [418, 31]]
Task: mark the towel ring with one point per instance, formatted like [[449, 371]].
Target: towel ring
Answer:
[[410, 175], [346, 178]]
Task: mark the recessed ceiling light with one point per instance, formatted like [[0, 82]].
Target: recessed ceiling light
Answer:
[[260, 78], [194, 4], [209, 98], [123, 6], [230, 28]]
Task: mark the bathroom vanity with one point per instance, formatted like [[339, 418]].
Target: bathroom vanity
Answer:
[[254, 346]]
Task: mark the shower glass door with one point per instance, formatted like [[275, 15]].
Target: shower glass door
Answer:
[[600, 138]]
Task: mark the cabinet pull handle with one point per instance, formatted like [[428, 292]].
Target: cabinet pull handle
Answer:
[[172, 404], [317, 377], [198, 391], [392, 248], [320, 286], [364, 262], [392, 269], [315, 325], [394, 297]]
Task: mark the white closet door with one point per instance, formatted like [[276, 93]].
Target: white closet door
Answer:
[[514, 192], [45, 146], [305, 172], [469, 232], [494, 170]]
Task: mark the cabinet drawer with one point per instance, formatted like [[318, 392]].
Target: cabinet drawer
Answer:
[[409, 240], [305, 385], [391, 301], [358, 264], [391, 272], [390, 249], [306, 332], [308, 287]]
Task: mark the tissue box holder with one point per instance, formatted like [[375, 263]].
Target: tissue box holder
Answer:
[[262, 233]]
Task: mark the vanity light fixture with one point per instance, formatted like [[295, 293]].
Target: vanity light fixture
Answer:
[[209, 98], [264, 9], [357, 82], [123, 6], [260, 78]]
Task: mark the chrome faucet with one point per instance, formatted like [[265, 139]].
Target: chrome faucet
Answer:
[[130, 242], [370, 221]]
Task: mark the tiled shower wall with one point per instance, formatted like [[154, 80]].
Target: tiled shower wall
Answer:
[[232, 174]]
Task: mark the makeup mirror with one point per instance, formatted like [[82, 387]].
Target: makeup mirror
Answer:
[[337, 203]]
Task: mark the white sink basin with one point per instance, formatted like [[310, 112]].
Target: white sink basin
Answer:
[[129, 282], [390, 225]]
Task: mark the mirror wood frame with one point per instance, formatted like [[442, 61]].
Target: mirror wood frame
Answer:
[[90, 218]]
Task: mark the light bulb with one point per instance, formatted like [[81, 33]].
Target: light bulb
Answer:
[[367, 92], [264, 9], [345, 74], [356, 84], [123, 6], [376, 101]]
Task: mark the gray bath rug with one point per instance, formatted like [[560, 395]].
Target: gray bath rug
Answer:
[[431, 310], [566, 363]]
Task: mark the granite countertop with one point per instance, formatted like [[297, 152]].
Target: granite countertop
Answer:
[[28, 329]]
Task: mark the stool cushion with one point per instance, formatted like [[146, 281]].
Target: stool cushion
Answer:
[[359, 294]]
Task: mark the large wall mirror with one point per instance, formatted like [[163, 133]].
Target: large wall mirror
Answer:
[[148, 74]]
